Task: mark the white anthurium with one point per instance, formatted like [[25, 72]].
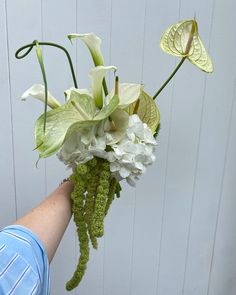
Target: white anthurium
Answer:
[[93, 43], [128, 93], [79, 91], [97, 74], [38, 91], [117, 126]]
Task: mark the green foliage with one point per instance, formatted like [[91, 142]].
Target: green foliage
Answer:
[[93, 193], [78, 212]]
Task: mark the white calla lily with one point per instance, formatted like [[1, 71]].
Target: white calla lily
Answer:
[[93, 43], [97, 74], [128, 93], [38, 91]]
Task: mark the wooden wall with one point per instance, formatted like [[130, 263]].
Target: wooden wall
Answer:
[[175, 233]]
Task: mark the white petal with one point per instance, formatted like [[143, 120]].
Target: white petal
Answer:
[[93, 43], [80, 91], [97, 74], [128, 93], [38, 91]]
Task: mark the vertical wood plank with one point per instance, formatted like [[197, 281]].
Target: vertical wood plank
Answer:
[[30, 182], [222, 278], [55, 27], [212, 149], [7, 187]]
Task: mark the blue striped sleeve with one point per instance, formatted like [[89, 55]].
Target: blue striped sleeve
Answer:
[[24, 267]]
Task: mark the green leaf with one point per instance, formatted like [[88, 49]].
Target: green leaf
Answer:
[[147, 110], [182, 39]]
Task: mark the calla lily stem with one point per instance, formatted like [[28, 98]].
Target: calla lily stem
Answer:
[[171, 76], [30, 47]]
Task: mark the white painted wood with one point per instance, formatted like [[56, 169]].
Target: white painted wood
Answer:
[[222, 278], [211, 156], [174, 233], [7, 179], [30, 182]]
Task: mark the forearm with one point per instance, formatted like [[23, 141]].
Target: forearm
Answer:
[[50, 218]]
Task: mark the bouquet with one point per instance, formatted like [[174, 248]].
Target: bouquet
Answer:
[[104, 135]]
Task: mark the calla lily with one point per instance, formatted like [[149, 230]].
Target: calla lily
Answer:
[[182, 39], [38, 91], [97, 74], [93, 43]]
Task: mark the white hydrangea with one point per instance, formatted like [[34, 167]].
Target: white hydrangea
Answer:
[[134, 152], [128, 158]]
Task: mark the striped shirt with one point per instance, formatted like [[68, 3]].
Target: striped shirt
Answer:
[[24, 267]]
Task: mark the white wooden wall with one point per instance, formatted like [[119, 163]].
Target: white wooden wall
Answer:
[[175, 233]]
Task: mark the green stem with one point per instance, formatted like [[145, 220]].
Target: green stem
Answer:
[[104, 84], [30, 47], [171, 76]]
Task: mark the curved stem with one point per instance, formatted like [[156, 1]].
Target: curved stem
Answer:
[[171, 76], [30, 47]]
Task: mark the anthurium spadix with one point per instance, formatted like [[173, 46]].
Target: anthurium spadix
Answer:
[[182, 39], [93, 43], [38, 91]]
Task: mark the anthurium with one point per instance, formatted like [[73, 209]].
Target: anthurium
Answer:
[[182, 39], [79, 112], [147, 110]]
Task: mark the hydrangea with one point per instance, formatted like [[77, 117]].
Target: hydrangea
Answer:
[[128, 158]]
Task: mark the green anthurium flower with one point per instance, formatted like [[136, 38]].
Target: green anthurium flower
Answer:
[[147, 110], [97, 74], [93, 43], [38, 91], [182, 39], [79, 112]]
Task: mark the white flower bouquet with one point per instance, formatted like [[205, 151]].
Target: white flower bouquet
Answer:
[[104, 136]]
